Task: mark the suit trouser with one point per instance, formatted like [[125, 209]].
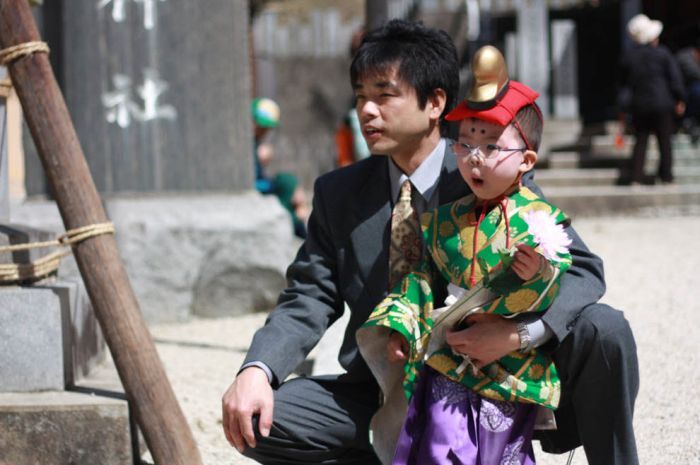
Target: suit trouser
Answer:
[[597, 365], [662, 125], [319, 420], [326, 422]]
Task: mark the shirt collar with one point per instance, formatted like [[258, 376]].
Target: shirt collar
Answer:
[[424, 178]]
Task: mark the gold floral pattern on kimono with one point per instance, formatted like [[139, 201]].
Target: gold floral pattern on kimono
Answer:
[[449, 236]]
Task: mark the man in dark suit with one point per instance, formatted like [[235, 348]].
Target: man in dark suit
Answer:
[[405, 78]]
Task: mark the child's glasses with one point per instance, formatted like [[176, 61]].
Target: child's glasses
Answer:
[[487, 151]]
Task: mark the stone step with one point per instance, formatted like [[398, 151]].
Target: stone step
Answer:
[[615, 158], [606, 143], [104, 380], [559, 160], [60, 427], [564, 177], [601, 200], [569, 160]]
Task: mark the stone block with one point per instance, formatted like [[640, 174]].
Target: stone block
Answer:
[[83, 342], [148, 118], [15, 234], [104, 380], [49, 337], [215, 255], [189, 254], [59, 428], [31, 340]]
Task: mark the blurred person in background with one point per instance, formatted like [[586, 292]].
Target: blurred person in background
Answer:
[[652, 81], [350, 143], [689, 62], [266, 116]]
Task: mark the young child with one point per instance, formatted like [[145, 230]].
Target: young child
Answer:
[[266, 117], [501, 252]]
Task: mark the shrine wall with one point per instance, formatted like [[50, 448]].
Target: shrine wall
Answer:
[[158, 92]]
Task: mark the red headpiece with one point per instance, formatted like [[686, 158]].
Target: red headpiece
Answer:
[[493, 97]]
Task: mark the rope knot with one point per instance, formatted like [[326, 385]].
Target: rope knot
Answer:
[[76, 235], [10, 54], [13, 272]]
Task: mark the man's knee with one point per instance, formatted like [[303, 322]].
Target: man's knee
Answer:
[[317, 421], [606, 328], [599, 351], [600, 381]]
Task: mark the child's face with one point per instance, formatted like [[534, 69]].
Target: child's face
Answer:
[[488, 171]]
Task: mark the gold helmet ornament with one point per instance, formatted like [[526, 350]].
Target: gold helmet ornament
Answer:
[[493, 97], [490, 75]]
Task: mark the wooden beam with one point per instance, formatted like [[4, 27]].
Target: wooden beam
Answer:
[[5, 88], [140, 369]]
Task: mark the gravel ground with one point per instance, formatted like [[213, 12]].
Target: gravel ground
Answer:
[[650, 271]]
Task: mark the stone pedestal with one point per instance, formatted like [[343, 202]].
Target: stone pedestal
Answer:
[[83, 343], [31, 340], [49, 337], [16, 234], [205, 255], [49, 344], [158, 91], [59, 428]]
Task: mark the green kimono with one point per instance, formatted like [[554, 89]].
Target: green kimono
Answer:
[[449, 236]]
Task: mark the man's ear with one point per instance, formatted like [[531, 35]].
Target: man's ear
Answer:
[[529, 160], [437, 102]]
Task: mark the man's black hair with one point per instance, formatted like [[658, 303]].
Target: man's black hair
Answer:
[[426, 59]]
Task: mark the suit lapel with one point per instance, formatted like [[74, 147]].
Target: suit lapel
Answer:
[[370, 238]]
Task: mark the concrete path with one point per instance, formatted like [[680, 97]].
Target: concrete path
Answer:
[[652, 274]]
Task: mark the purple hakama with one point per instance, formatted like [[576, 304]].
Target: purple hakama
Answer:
[[447, 423]]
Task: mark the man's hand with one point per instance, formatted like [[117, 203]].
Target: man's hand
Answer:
[[250, 394], [488, 338], [397, 348]]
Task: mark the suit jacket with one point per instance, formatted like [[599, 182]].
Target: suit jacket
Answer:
[[345, 260]]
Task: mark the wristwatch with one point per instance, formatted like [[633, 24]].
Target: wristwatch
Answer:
[[524, 334]]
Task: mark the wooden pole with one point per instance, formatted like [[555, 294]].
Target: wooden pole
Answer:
[[376, 13], [157, 411], [4, 163]]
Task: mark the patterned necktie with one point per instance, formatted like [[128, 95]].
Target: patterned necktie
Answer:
[[406, 246]]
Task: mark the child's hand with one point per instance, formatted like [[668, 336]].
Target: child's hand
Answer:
[[397, 348], [526, 262]]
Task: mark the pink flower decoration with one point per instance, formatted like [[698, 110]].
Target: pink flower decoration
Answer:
[[550, 236]]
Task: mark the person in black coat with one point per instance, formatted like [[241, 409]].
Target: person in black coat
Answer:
[[652, 78], [689, 61]]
